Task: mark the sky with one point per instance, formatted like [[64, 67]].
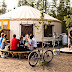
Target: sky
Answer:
[[13, 3]]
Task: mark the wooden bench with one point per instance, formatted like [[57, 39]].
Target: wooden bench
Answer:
[[16, 52]]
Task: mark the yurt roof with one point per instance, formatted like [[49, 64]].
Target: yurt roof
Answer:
[[26, 13]]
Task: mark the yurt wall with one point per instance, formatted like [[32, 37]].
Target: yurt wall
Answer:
[[15, 28]]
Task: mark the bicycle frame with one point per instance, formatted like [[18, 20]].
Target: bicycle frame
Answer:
[[39, 50]]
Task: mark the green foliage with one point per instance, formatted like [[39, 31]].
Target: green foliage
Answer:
[[43, 63], [45, 26], [36, 26], [22, 2], [53, 9], [39, 4], [42, 14], [68, 20], [59, 10], [42, 21], [32, 4], [35, 3], [3, 7], [63, 10]]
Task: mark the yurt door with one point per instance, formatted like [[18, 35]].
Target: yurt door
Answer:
[[26, 29]]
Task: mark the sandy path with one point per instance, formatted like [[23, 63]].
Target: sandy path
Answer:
[[60, 63]]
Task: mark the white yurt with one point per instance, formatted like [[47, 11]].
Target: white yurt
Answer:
[[21, 21]]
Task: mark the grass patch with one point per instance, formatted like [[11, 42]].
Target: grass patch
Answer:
[[43, 63]]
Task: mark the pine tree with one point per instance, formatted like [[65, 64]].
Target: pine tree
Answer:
[[3, 7], [63, 10], [32, 3]]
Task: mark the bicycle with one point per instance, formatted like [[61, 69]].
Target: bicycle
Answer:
[[34, 56]]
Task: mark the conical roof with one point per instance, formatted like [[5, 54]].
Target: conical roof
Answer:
[[26, 12]]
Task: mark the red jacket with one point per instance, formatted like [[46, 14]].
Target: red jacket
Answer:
[[14, 42]]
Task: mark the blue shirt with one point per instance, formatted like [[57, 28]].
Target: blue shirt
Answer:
[[1, 41]]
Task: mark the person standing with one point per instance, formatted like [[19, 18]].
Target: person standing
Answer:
[[1, 39], [70, 39]]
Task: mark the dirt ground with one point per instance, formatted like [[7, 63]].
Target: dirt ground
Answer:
[[60, 63]]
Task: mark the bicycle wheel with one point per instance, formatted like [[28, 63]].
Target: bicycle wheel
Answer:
[[33, 59], [48, 56]]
